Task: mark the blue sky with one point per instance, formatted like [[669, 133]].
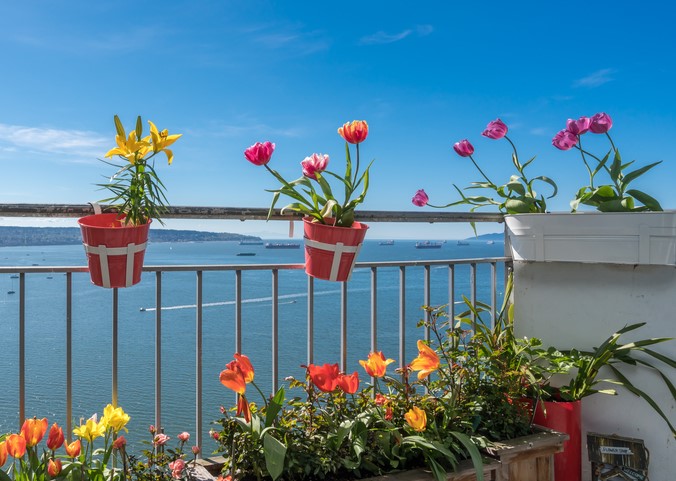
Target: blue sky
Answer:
[[424, 75]]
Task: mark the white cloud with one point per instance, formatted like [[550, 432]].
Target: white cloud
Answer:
[[595, 79], [253, 129], [77, 143], [381, 37]]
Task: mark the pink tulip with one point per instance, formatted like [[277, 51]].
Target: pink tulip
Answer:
[[420, 198], [564, 140], [495, 130], [259, 153], [313, 164], [184, 436], [196, 450], [579, 126], [463, 148], [601, 123]]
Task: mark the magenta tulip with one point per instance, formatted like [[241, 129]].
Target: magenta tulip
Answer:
[[313, 164], [463, 148], [495, 130], [579, 126], [564, 140], [259, 153], [601, 123], [420, 198]]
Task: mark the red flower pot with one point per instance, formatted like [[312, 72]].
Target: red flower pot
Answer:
[[330, 251], [114, 252], [565, 417]]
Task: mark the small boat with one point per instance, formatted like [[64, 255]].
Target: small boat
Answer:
[[14, 276], [427, 245], [490, 242], [11, 292], [246, 253], [463, 243], [282, 245], [142, 309], [386, 243]]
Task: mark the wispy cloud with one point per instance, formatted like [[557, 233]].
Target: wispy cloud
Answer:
[[380, 37], [596, 79], [253, 129], [291, 39], [78, 144]]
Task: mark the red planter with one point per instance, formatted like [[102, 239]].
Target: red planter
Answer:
[[331, 252], [564, 417], [114, 252]]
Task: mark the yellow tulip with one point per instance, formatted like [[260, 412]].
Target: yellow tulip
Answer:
[[91, 430], [162, 140], [427, 361], [376, 364], [416, 418], [115, 418]]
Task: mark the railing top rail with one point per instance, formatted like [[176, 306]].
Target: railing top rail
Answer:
[[252, 267], [247, 213]]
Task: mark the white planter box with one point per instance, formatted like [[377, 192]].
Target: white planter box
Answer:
[[597, 237]]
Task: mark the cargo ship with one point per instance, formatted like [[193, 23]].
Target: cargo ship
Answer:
[[282, 245]]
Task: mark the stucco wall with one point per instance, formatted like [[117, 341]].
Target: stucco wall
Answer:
[[580, 305]]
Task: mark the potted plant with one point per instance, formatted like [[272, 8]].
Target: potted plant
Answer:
[[115, 243], [460, 397], [332, 236]]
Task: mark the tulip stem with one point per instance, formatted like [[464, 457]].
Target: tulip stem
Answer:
[[586, 164], [481, 171]]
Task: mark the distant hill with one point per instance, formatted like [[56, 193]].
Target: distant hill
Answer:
[[43, 236]]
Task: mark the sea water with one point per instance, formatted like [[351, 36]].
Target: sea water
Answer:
[[45, 333]]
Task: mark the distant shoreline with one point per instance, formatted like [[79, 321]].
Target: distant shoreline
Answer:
[[13, 236]]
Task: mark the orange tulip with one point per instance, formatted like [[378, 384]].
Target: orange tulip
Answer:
[[416, 418], [16, 445], [33, 431], [54, 467], [427, 361], [243, 408], [233, 380], [3, 453], [244, 365], [354, 132], [376, 365], [73, 449], [350, 383], [55, 438], [325, 377]]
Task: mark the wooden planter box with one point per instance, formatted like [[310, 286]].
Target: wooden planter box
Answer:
[[528, 458]]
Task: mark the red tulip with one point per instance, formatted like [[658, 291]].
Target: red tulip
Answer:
[[495, 130], [33, 430], [601, 123], [420, 198], [16, 445], [324, 377], [237, 374], [260, 153], [54, 467], [350, 383], [463, 148], [55, 438], [354, 132], [243, 363], [73, 449]]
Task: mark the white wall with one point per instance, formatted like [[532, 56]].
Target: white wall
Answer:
[[579, 305]]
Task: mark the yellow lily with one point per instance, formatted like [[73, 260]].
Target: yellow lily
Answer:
[[130, 148], [115, 418], [91, 430], [162, 140], [416, 418]]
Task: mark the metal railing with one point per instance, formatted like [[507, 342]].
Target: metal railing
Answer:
[[159, 271]]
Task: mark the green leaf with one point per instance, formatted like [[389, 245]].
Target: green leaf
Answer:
[[616, 167], [648, 201], [550, 182], [473, 452], [275, 453], [516, 186], [274, 406], [517, 206], [638, 172]]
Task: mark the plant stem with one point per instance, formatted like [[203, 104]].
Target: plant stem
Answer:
[[481, 171]]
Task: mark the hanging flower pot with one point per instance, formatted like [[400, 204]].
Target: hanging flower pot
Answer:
[[330, 251], [114, 251], [565, 417]]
